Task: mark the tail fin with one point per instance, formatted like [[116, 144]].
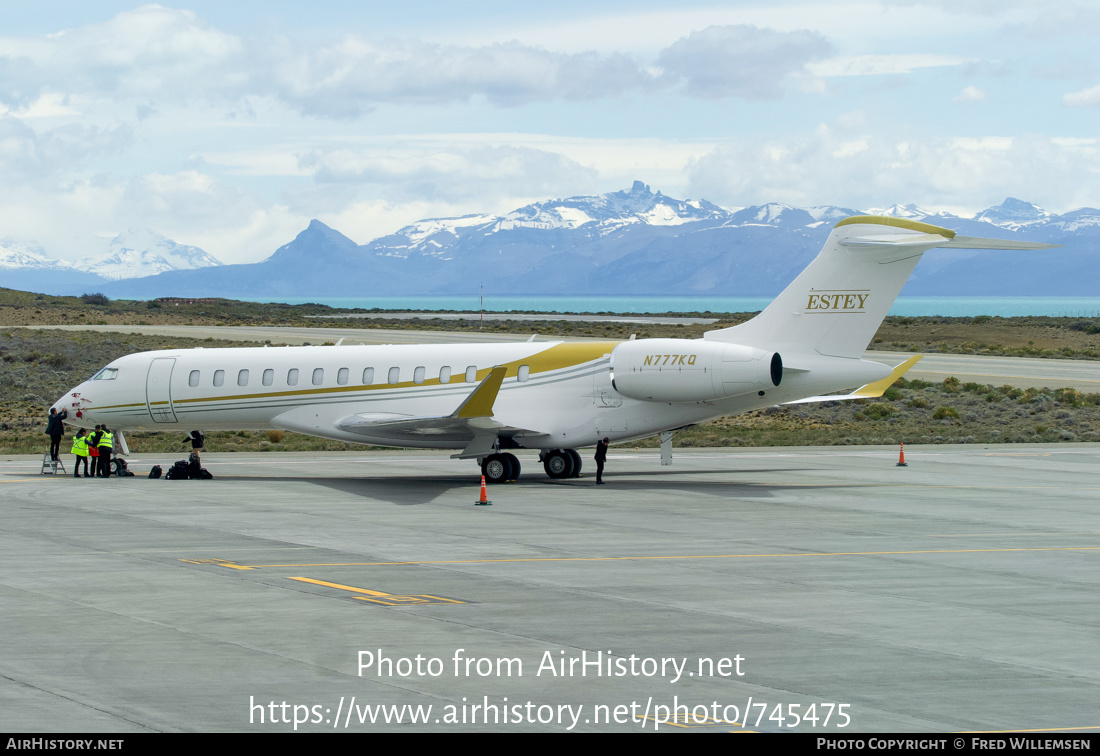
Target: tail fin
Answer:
[[835, 306]]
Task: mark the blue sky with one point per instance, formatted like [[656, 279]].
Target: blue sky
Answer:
[[230, 125]]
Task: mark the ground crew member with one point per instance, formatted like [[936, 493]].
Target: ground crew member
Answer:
[[601, 457], [106, 442], [80, 449], [93, 448]]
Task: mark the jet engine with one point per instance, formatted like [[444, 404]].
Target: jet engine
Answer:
[[682, 370]]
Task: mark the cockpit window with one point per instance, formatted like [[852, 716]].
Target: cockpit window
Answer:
[[106, 374]]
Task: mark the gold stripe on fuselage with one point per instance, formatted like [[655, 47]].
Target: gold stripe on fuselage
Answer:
[[557, 357]]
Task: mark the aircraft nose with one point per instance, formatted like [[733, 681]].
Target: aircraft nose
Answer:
[[72, 402]]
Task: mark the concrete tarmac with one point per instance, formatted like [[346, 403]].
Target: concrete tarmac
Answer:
[[734, 589]]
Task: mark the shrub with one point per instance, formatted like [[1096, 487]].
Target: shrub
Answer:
[[94, 299], [943, 413], [275, 436], [878, 411]]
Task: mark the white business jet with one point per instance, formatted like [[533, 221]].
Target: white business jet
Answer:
[[485, 399]]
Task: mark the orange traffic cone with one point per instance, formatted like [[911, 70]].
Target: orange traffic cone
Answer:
[[901, 459], [484, 500]]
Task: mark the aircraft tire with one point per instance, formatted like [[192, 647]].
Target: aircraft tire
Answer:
[[576, 463], [558, 464], [513, 461], [496, 468]]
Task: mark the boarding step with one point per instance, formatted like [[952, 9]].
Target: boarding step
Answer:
[[50, 466]]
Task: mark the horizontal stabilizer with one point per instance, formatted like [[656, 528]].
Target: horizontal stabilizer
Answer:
[[977, 242], [871, 390]]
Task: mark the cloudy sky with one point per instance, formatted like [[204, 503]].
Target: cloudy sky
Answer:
[[230, 125]]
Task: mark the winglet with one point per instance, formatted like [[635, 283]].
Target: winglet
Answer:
[[480, 402], [878, 388]]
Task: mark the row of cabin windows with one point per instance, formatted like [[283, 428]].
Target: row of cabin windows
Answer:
[[267, 378]]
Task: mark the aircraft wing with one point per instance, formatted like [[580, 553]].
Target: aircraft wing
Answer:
[[470, 426], [869, 391]]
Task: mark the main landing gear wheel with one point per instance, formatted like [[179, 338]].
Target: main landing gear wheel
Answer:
[[562, 463], [576, 463], [500, 468]]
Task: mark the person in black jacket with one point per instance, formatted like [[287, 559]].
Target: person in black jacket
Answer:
[[55, 429], [93, 449], [196, 439], [601, 457]]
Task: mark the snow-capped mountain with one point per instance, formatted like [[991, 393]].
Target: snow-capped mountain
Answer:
[[598, 215], [141, 252], [628, 242], [910, 211], [23, 255], [1013, 214], [612, 211]]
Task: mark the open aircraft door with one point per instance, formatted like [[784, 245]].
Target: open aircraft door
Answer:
[[158, 390]]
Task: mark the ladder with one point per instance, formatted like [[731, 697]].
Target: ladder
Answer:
[[49, 466]]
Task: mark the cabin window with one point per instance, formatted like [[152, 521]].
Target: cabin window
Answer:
[[471, 374], [524, 373], [318, 376], [418, 374], [193, 379], [242, 378], [395, 375], [106, 374], [445, 374], [368, 376], [342, 376], [292, 377], [219, 377], [269, 377]]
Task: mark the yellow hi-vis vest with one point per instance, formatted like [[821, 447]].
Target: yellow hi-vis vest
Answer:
[[80, 446], [106, 440]]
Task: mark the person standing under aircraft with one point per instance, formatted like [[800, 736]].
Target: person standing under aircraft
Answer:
[[80, 449], [55, 429], [601, 457], [106, 443], [93, 449]]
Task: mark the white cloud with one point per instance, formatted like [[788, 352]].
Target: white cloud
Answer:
[[352, 76], [47, 156], [740, 61], [884, 65], [969, 94], [1086, 98], [151, 51], [456, 173], [836, 167]]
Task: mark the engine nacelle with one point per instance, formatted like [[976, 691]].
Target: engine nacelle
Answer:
[[682, 370]]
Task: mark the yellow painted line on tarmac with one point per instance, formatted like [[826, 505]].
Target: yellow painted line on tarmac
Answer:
[[218, 563], [381, 597], [340, 587], [685, 556]]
